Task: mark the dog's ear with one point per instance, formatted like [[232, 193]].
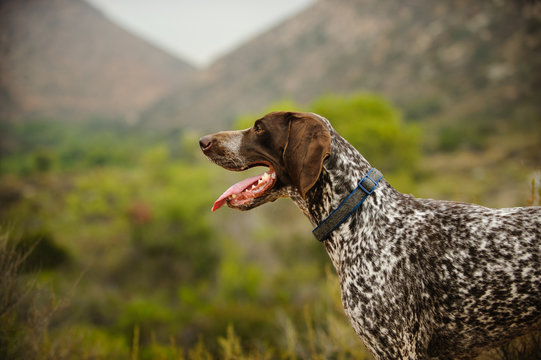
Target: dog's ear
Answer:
[[308, 144]]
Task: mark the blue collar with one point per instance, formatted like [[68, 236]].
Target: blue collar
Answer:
[[347, 207]]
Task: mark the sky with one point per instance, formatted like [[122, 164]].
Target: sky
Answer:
[[198, 31]]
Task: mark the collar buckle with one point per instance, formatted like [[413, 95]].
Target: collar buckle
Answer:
[[368, 184]]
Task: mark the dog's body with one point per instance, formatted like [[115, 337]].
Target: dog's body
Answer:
[[419, 278]]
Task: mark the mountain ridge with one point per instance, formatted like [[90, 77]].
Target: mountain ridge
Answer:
[[449, 57], [446, 60], [64, 58]]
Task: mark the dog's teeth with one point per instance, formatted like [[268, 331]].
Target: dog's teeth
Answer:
[[233, 196]]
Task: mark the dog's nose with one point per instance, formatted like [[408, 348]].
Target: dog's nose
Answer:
[[205, 142]]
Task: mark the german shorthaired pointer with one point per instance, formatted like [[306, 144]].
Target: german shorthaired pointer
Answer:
[[420, 279]]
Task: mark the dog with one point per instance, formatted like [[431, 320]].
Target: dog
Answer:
[[419, 278]]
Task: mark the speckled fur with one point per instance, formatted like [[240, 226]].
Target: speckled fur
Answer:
[[427, 279]]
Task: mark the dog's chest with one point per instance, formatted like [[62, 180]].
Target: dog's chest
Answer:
[[373, 266]]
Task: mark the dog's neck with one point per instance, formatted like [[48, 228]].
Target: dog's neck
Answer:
[[340, 175]]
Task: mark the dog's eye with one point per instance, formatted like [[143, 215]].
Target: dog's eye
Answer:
[[257, 128]]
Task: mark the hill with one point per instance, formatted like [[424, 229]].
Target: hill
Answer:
[[65, 59], [450, 59]]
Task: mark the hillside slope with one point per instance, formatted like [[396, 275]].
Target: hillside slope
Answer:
[[449, 57], [63, 58]]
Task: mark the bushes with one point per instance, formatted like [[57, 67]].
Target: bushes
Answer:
[[25, 309], [148, 329], [50, 145], [472, 136]]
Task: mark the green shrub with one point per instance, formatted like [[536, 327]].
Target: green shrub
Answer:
[[373, 126]]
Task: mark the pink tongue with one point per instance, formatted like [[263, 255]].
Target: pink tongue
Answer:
[[235, 189]]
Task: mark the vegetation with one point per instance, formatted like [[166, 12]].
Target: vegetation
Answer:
[[108, 248]]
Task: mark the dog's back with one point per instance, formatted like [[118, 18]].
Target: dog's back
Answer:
[[483, 272]]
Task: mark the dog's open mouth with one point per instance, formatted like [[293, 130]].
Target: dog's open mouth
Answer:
[[246, 190]]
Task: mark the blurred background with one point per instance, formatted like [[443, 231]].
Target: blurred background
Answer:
[[108, 248]]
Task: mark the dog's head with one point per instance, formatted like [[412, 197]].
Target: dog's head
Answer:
[[292, 145]]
